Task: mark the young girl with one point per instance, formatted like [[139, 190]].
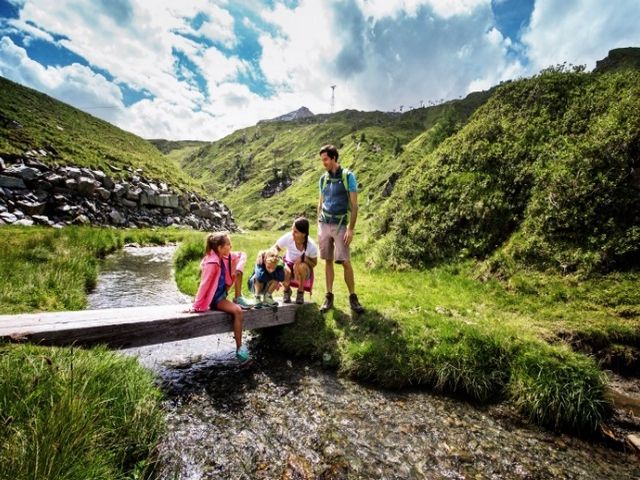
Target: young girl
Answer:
[[267, 275], [220, 268], [300, 259]]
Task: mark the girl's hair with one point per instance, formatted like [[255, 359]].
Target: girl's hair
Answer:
[[302, 225], [271, 255], [215, 241]]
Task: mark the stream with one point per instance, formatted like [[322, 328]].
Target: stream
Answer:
[[293, 419]]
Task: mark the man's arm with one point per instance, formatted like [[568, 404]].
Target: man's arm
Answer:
[[319, 209], [353, 199], [348, 234]]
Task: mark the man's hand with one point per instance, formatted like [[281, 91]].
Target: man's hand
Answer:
[[348, 236]]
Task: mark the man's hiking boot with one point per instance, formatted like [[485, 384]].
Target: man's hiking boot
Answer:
[[355, 304], [327, 304], [243, 303], [300, 297], [269, 301], [286, 296]]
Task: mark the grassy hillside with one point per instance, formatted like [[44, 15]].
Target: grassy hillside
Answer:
[[546, 173], [245, 165], [30, 120]]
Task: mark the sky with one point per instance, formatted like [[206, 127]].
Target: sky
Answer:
[[199, 70]]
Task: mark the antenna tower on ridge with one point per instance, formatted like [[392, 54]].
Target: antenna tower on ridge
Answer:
[[333, 97]]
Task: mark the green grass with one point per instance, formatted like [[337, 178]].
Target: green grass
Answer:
[[446, 329], [75, 414], [44, 269]]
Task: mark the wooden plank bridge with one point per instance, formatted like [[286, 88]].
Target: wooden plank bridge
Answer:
[[132, 326]]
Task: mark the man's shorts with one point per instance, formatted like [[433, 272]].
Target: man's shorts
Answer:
[[331, 242]]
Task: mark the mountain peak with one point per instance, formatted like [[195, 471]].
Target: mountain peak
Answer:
[[619, 58], [302, 112]]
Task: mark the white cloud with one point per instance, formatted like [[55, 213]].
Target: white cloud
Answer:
[[378, 9], [74, 84], [216, 67], [579, 32], [219, 26], [380, 59]]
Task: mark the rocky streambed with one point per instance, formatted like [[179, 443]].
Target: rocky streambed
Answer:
[[288, 418]]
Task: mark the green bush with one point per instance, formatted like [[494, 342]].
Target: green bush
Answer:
[[545, 167]]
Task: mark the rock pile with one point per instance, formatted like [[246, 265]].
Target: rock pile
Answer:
[[34, 193]]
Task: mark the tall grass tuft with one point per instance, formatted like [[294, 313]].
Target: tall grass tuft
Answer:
[[558, 388], [69, 413]]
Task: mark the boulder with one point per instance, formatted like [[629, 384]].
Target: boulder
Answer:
[[23, 172], [86, 186], [53, 178], [71, 172], [128, 203], [162, 200], [103, 193], [116, 217], [42, 220], [11, 182], [108, 183], [134, 194], [81, 220], [8, 217], [31, 208], [119, 190], [24, 222]]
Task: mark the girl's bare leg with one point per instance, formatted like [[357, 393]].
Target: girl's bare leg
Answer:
[[235, 310]]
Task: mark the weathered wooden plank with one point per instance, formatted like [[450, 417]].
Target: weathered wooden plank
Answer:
[[132, 327]]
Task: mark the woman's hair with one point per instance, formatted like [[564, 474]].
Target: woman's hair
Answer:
[[302, 225], [214, 241]]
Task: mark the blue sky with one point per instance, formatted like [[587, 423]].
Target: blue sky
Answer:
[[198, 69]]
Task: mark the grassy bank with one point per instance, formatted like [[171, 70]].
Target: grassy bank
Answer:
[[71, 413], [448, 330], [75, 414], [44, 269]]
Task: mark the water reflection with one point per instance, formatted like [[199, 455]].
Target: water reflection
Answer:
[[139, 276]]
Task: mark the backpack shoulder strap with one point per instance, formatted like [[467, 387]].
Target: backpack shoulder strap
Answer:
[[345, 178], [323, 181]]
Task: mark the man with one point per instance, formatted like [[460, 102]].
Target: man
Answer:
[[337, 214]]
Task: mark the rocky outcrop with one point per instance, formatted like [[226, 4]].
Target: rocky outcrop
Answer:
[[34, 193]]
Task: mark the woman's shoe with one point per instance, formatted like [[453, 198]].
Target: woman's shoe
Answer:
[[286, 296], [300, 297]]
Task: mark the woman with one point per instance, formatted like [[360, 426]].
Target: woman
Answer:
[[300, 259]]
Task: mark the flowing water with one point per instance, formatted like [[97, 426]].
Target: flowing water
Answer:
[[288, 418]]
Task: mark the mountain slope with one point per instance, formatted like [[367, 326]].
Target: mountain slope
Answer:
[[30, 120], [269, 173]]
